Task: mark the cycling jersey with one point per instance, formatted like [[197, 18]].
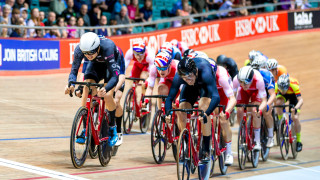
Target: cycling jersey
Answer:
[[280, 70], [176, 53], [268, 79], [205, 86], [182, 46], [199, 54], [224, 85], [255, 92], [293, 87], [106, 59], [121, 62], [231, 66], [154, 73]]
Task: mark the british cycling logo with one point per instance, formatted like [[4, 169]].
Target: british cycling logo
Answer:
[[303, 20]]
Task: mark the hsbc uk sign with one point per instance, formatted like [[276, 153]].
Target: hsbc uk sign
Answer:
[[256, 25], [200, 35]]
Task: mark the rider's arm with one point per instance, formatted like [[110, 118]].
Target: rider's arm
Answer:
[[78, 56], [226, 84], [151, 79], [122, 79], [210, 81], [113, 69], [177, 81], [128, 57], [236, 85], [271, 90], [297, 92], [300, 102], [261, 92], [150, 58]]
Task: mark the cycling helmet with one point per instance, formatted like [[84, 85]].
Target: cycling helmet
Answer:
[[162, 60], [272, 64], [89, 43], [186, 66], [258, 62], [246, 74], [220, 59], [167, 47], [283, 82], [187, 52], [253, 53], [139, 47], [175, 42]]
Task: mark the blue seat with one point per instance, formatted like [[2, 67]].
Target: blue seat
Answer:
[[136, 30]]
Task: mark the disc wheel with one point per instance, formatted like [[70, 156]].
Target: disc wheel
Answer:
[[104, 150]]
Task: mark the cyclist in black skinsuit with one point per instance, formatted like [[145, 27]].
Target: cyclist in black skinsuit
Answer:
[[229, 64], [103, 56], [198, 79]]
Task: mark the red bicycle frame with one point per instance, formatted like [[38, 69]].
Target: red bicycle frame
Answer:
[[216, 141]]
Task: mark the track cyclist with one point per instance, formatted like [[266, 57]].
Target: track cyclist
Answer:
[[258, 63], [182, 46], [103, 55], [287, 88], [143, 58], [275, 69], [198, 79], [251, 55], [250, 89], [229, 64], [174, 52]]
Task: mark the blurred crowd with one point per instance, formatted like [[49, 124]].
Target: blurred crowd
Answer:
[[72, 13]]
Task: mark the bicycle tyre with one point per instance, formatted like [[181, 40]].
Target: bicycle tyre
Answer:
[[264, 140], [104, 150], [129, 112], [78, 161], [233, 118], [284, 139], [114, 150], [176, 133], [158, 138], [222, 157], [145, 120], [294, 142], [276, 127], [242, 146], [185, 156], [93, 148], [213, 159], [255, 158]]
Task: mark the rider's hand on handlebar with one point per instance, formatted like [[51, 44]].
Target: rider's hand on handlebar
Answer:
[[168, 119], [68, 90], [222, 116], [202, 120], [102, 92]]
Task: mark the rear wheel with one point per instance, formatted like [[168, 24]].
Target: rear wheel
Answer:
[[222, 157], [158, 139], [78, 151], [93, 148], [175, 133], [264, 140], [255, 158], [284, 139], [104, 150], [145, 120], [294, 141], [185, 156], [242, 146], [129, 112]]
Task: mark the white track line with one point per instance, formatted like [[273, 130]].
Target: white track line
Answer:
[[38, 170], [291, 165]]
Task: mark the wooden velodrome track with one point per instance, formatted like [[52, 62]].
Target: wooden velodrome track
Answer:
[[36, 119]]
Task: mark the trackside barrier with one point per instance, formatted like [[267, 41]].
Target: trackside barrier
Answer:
[[20, 54]]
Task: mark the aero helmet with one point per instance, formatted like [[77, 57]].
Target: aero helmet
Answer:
[[89, 43], [139, 47], [186, 66], [162, 60], [220, 59], [272, 64], [246, 74], [283, 82]]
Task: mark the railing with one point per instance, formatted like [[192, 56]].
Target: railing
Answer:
[[157, 22]]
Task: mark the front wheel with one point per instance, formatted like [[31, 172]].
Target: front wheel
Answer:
[[129, 112], [223, 155], [294, 141], [145, 120], [184, 154], [79, 151], [158, 139], [242, 145], [104, 150], [264, 140], [284, 139]]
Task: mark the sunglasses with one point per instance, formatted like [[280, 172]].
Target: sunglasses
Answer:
[[162, 68], [138, 53], [246, 81]]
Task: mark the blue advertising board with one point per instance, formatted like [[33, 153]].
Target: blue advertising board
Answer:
[[29, 55]]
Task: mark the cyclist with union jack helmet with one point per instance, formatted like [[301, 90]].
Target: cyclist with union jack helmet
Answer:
[[182, 46], [174, 52]]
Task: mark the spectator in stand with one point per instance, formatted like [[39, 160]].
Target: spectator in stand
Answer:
[[284, 7], [51, 19], [228, 5], [4, 30], [198, 6], [84, 14], [103, 22], [214, 4], [302, 4], [69, 12], [53, 33], [24, 15], [95, 15], [10, 3], [146, 11], [19, 32], [39, 33], [60, 23], [80, 23], [42, 17], [72, 23], [133, 11], [184, 12], [6, 11], [15, 15], [117, 7], [21, 4], [57, 6], [123, 18], [102, 4], [33, 21], [176, 6]]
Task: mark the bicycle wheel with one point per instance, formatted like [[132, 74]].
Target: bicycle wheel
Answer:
[[78, 151], [129, 112], [264, 140], [284, 139], [145, 120], [276, 127], [222, 157], [104, 150], [93, 148], [242, 146], [294, 141], [233, 118], [175, 133], [158, 139], [184, 162], [213, 159]]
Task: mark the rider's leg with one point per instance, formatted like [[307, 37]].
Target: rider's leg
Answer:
[[256, 124], [110, 105], [86, 92], [280, 101], [206, 127], [162, 90], [270, 124], [119, 113], [183, 116]]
